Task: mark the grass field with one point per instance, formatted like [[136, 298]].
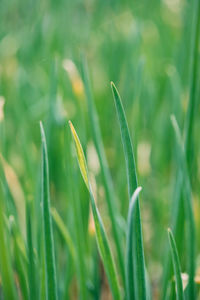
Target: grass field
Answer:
[[99, 149]]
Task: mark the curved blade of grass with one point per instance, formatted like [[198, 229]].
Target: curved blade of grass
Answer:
[[51, 284], [5, 261], [126, 141], [140, 282], [176, 265], [129, 247], [110, 195], [64, 232], [101, 237], [190, 226], [79, 236]]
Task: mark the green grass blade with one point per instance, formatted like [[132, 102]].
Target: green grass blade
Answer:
[[176, 265], [5, 261], [64, 232], [140, 282], [194, 81], [126, 140], [190, 225], [129, 247], [100, 231], [43, 289], [51, 284], [109, 190], [30, 255], [79, 235]]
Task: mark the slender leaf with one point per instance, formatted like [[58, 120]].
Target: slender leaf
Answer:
[[189, 123], [43, 289], [129, 247], [190, 225], [102, 241], [176, 264], [126, 140], [51, 284], [30, 255], [140, 282], [78, 214]]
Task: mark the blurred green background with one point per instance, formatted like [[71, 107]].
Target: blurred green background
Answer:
[[145, 48]]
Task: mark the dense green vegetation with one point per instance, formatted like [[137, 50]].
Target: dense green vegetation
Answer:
[[99, 182]]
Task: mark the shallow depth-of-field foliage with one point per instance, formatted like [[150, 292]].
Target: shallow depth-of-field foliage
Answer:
[[99, 149]]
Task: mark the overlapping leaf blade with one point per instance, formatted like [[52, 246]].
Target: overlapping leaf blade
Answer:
[[50, 274], [190, 223], [101, 237], [129, 246], [176, 264], [30, 254], [139, 264]]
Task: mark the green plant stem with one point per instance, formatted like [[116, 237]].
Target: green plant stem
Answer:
[[30, 255], [51, 284]]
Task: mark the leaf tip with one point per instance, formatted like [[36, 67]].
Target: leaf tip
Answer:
[[169, 231], [41, 125], [73, 131], [42, 132], [173, 119], [136, 192], [135, 195], [115, 93], [113, 87]]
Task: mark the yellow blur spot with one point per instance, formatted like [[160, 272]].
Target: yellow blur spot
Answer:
[[77, 84]]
